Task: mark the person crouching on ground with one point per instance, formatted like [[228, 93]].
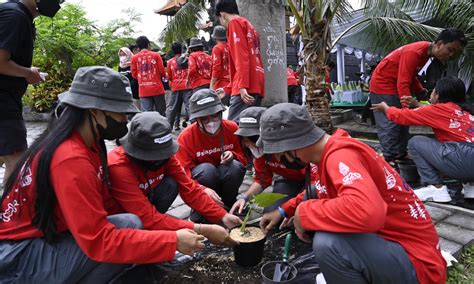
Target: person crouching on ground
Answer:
[[146, 177], [452, 152], [292, 177], [368, 224], [209, 150], [54, 226]]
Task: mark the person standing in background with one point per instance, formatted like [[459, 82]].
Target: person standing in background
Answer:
[[294, 89], [147, 67], [125, 56], [220, 63], [200, 64], [17, 35]]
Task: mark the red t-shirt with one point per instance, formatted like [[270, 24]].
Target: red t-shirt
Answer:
[[360, 193], [176, 75], [200, 68], [147, 67], [130, 189], [397, 73], [292, 77], [196, 147], [220, 65], [77, 180], [448, 120], [246, 69]]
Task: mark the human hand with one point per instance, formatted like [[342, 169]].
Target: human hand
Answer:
[[240, 204], [231, 221], [269, 220], [410, 101], [227, 157], [34, 76], [300, 232], [218, 235], [246, 98], [287, 222], [212, 194], [189, 241], [381, 107]]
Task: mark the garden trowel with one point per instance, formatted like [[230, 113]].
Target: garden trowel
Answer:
[[283, 269]]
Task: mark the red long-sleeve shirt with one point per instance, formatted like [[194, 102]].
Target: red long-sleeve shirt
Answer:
[[360, 193], [220, 65], [448, 120], [147, 67], [246, 69], [176, 75], [397, 73], [196, 147], [130, 189], [200, 68], [77, 180], [292, 77]]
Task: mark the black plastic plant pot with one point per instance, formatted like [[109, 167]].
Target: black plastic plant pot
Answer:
[[268, 270], [249, 253], [409, 171]]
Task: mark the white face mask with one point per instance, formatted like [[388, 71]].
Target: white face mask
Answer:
[[123, 59], [257, 152], [212, 127]]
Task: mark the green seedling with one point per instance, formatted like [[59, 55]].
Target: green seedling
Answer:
[[263, 199]]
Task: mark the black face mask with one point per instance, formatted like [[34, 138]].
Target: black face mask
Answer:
[[149, 165], [297, 164], [114, 130], [48, 8]]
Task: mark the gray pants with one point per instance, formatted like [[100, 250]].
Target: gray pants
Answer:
[[164, 194], [393, 137], [290, 188], [36, 261], [362, 258], [157, 103], [176, 102], [225, 180], [454, 159], [237, 105]]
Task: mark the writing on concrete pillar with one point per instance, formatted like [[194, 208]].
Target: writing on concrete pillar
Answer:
[[274, 49]]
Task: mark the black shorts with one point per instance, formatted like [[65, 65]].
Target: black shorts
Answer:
[[12, 137]]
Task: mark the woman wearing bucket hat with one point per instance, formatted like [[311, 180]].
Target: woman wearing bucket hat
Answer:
[[54, 224], [220, 63], [146, 177], [209, 150], [291, 180], [367, 221], [200, 64]]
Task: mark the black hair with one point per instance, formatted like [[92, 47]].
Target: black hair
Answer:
[[196, 48], [176, 48], [331, 64], [452, 89], [450, 35], [143, 42], [228, 6], [132, 47], [58, 130]]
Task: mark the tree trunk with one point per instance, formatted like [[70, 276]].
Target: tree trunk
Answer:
[[268, 18]]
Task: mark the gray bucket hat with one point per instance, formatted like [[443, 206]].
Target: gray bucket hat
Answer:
[[99, 87], [285, 127], [149, 137], [249, 122], [203, 103], [219, 33], [195, 42]]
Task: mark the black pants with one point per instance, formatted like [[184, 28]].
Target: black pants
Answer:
[[164, 194], [290, 188]]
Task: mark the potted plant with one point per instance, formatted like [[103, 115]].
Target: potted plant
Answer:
[[252, 239]]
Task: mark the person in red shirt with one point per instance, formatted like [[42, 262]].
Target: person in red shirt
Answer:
[[200, 66], [368, 224], [452, 152], [209, 151], [54, 227], [181, 93], [220, 63], [395, 77], [147, 67], [247, 77], [146, 177], [294, 89]]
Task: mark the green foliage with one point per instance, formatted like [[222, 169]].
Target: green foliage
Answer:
[[263, 199], [462, 272], [69, 41]]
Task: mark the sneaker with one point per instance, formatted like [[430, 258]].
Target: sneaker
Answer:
[[468, 189], [431, 192], [320, 279]]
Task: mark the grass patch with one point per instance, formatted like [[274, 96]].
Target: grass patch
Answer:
[[463, 272]]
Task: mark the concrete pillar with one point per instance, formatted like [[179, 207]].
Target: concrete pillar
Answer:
[[341, 72]]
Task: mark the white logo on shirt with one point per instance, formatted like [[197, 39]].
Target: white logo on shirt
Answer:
[[454, 123], [349, 176], [11, 209], [214, 150], [151, 181], [459, 112], [416, 211], [27, 178], [236, 38], [389, 178], [321, 188]]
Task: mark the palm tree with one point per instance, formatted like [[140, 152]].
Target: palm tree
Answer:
[[388, 26]]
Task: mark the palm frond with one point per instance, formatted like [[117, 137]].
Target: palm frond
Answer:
[[338, 10], [459, 14], [184, 23], [384, 8]]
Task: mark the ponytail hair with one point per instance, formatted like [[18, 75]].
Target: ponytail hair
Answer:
[[452, 89]]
